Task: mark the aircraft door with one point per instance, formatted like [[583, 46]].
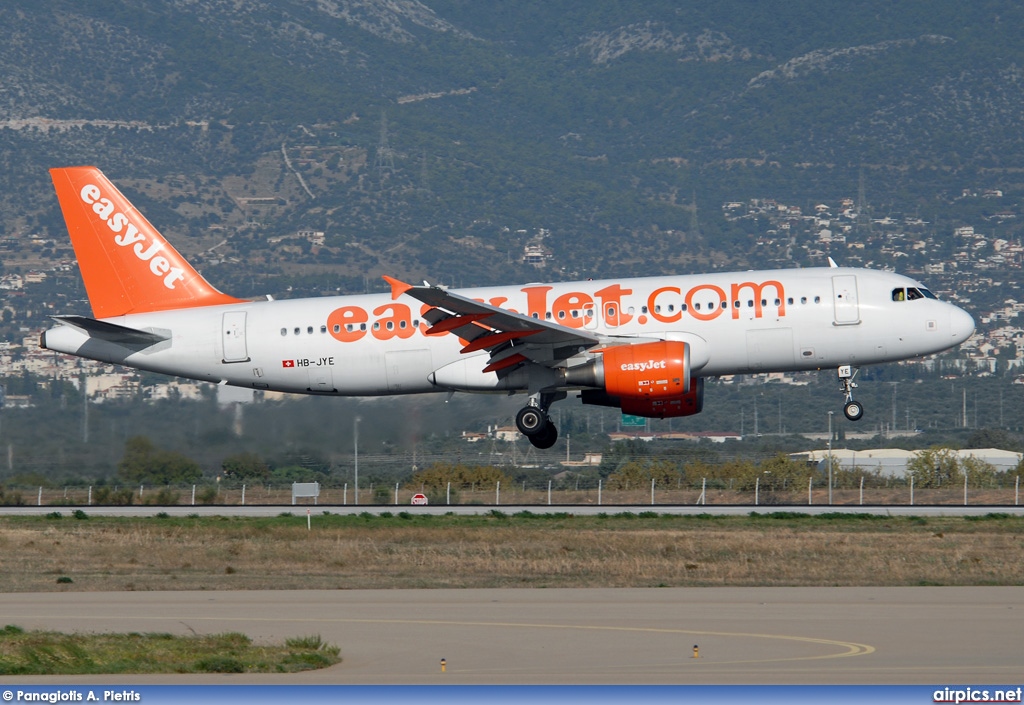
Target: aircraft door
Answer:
[[233, 337], [844, 297]]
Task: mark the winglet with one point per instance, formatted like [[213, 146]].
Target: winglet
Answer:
[[832, 263], [397, 287]]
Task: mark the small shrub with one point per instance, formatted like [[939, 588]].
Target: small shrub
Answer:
[[304, 661], [79, 514], [166, 497], [208, 495], [312, 642], [54, 515], [120, 498], [64, 579], [219, 664]]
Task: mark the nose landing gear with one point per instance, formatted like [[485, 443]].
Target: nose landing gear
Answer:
[[853, 410]]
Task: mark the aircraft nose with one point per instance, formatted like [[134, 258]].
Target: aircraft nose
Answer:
[[961, 325]]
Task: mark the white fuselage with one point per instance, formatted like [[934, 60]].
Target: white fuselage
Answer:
[[756, 321]]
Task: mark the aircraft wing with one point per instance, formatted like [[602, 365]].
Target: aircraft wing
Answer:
[[509, 337]]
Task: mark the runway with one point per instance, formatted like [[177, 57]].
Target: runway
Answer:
[[929, 635]]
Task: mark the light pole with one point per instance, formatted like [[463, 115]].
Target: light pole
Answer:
[[355, 437], [830, 457]]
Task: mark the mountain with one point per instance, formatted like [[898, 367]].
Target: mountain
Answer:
[[438, 138]]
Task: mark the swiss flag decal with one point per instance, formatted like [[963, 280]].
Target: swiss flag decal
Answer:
[[287, 363]]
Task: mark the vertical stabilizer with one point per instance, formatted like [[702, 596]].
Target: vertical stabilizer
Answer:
[[127, 265]]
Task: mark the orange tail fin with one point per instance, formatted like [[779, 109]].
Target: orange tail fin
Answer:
[[127, 265]]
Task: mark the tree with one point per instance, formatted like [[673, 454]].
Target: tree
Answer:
[[438, 475], [245, 467], [934, 467], [637, 474], [144, 463]]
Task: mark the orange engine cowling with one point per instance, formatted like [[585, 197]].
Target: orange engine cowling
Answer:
[[687, 405], [658, 370], [646, 379]]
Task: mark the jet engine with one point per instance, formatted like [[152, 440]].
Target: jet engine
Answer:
[[645, 379]]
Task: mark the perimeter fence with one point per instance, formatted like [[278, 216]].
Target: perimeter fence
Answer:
[[812, 491]]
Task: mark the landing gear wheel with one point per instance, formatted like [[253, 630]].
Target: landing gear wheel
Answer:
[[853, 410], [546, 438], [531, 421]]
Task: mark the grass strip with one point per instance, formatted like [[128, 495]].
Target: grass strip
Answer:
[[54, 653]]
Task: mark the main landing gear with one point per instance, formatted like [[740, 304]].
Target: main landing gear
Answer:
[[533, 420], [852, 409]]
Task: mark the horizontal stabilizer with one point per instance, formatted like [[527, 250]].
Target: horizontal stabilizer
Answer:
[[111, 332]]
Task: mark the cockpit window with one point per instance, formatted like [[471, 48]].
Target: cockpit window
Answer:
[[911, 293]]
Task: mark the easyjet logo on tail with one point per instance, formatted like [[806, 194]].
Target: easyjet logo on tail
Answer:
[[127, 234]]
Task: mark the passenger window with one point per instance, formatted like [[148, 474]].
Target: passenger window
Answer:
[[309, 330], [337, 328], [323, 329], [284, 331], [362, 326], [803, 299], [790, 301], [696, 307], [297, 331], [817, 299]]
